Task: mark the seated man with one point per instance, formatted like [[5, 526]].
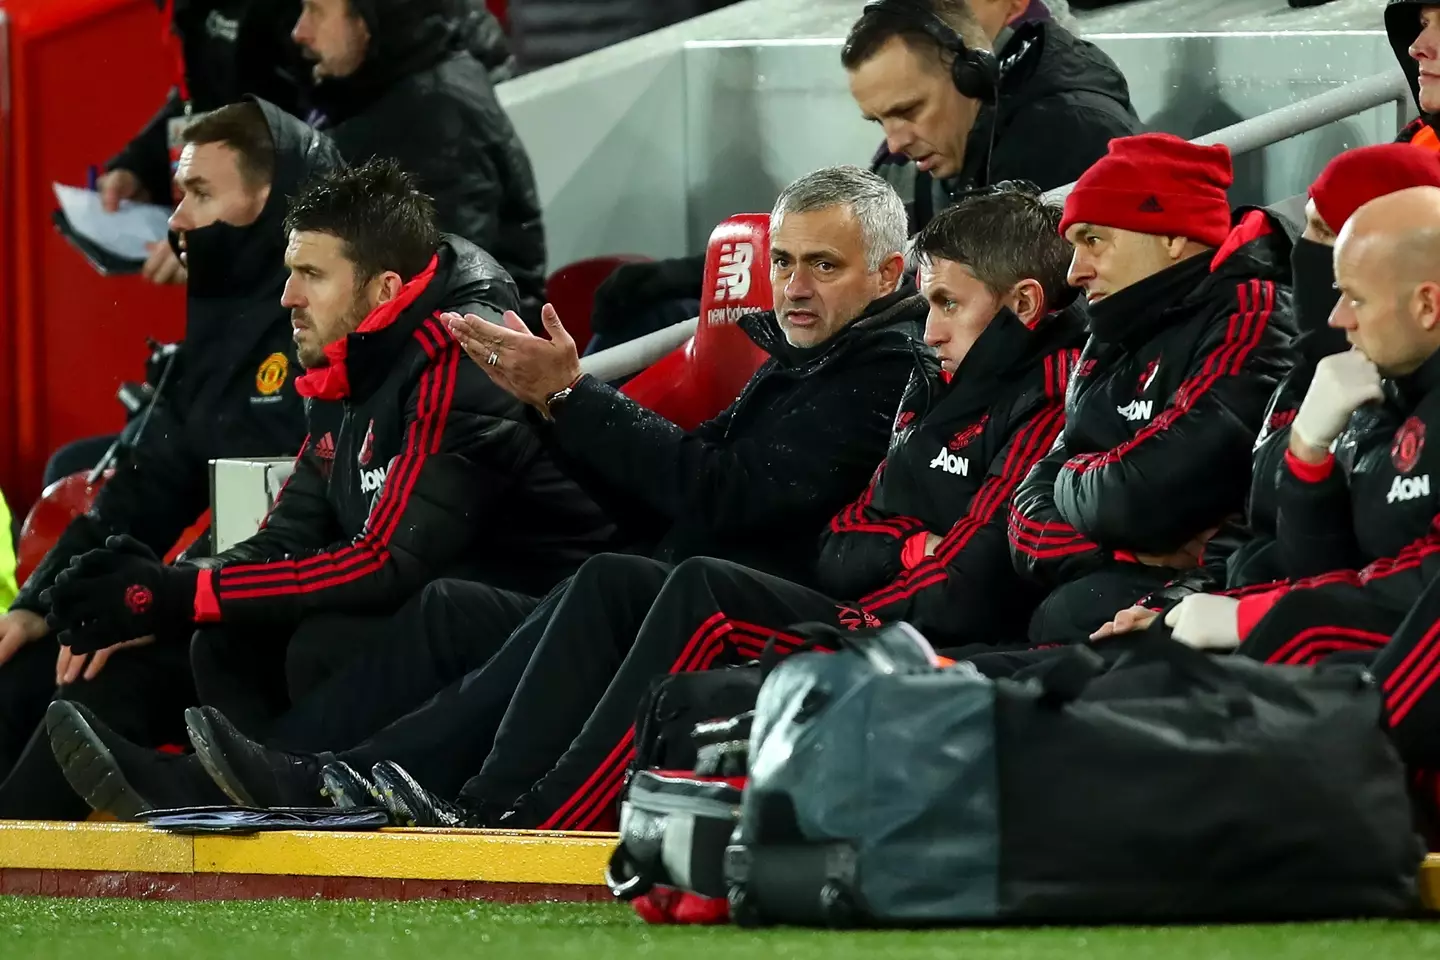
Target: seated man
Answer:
[[229, 392], [1187, 343], [416, 466], [397, 79], [756, 485]]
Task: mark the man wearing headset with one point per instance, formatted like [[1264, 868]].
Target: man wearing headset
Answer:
[[1042, 108]]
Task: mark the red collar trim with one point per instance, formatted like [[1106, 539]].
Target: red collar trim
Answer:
[[332, 381]]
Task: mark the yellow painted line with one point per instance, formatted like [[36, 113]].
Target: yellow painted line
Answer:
[[1430, 882], [116, 847], [493, 856]]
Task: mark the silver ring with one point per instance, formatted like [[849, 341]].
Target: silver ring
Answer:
[[493, 359]]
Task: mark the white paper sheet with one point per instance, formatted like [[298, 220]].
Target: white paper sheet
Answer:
[[123, 233]]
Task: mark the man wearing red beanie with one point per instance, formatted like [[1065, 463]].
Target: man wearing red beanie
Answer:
[[1353, 178], [1190, 326]]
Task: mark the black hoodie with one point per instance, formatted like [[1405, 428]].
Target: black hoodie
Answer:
[[1402, 25], [1062, 100], [417, 467], [232, 390], [758, 483], [1163, 410], [422, 99], [958, 452]]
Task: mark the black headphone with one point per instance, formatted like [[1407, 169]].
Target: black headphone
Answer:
[[976, 73]]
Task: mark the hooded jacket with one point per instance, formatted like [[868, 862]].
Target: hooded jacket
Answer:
[[1062, 100], [224, 50], [757, 484], [422, 99], [957, 454], [1402, 26], [416, 467], [231, 391], [1162, 413]]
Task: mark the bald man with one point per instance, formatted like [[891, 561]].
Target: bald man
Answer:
[[1358, 497]]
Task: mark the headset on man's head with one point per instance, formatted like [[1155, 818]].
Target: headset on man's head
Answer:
[[976, 73]]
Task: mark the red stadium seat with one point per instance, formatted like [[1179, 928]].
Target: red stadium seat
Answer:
[[571, 290], [705, 374]]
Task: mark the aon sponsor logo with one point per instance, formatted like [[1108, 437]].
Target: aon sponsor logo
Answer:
[[1137, 410], [1408, 488], [372, 480], [951, 463]]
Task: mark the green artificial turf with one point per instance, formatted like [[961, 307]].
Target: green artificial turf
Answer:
[[55, 929]]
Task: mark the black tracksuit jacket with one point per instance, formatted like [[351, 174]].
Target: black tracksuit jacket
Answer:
[[232, 391], [1162, 411], [422, 99], [758, 483], [958, 453], [425, 469]]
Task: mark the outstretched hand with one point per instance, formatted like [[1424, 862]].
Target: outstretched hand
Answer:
[[528, 367]]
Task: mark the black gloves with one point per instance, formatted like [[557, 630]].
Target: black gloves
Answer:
[[120, 593], [636, 286]]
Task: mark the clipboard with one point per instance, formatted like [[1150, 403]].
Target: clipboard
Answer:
[[101, 260]]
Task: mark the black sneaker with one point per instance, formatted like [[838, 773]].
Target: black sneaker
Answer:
[[411, 805], [347, 788], [118, 777], [252, 775]]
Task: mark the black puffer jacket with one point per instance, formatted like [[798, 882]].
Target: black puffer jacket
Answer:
[[232, 391], [1062, 100], [418, 467], [1163, 411], [1402, 25], [230, 48], [423, 100], [958, 452], [546, 32], [758, 483]]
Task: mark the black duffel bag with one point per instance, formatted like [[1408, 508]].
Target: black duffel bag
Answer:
[[1162, 785]]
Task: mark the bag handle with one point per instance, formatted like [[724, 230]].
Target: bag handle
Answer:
[[626, 877]]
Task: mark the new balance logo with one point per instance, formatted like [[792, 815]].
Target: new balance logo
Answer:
[[1152, 205], [1137, 410], [733, 279], [950, 463], [372, 480], [1408, 488]]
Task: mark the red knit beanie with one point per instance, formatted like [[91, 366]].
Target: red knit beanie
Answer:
[[1156, 183], [1356, 177]]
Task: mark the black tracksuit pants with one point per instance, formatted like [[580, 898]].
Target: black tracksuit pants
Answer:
[[142, 693], [549, 721]]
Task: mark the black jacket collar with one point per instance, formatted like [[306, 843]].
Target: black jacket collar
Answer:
[[892, 316], [1416, 386], [1006, 351], [1137, 312]]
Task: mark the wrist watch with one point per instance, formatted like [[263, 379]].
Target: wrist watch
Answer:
[[556, 399]]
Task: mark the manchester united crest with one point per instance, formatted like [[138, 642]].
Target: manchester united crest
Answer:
[[367, 449], [272, 373], [1409, 444]]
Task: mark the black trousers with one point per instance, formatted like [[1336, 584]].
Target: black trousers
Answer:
[[1073, 611], [142, 693], [567, 738]]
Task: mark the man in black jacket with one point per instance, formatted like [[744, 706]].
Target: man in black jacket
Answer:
[[1059, 101], [230, 393], [1190, 329], [415, 466], [755, 485], [394, 78]]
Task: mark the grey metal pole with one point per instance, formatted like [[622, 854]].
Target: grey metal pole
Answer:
[[1297, 118], [635, 355]]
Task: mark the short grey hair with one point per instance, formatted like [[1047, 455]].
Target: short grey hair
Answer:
[[883, 223]]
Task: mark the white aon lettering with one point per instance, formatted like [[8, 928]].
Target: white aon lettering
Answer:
[[951, 463], [372, 480], [1137, 410], [1408, 488]]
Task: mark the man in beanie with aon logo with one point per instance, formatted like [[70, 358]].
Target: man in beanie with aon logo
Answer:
[[1190, 325]]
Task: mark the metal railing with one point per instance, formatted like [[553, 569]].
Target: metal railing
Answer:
[[1243, 137]]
